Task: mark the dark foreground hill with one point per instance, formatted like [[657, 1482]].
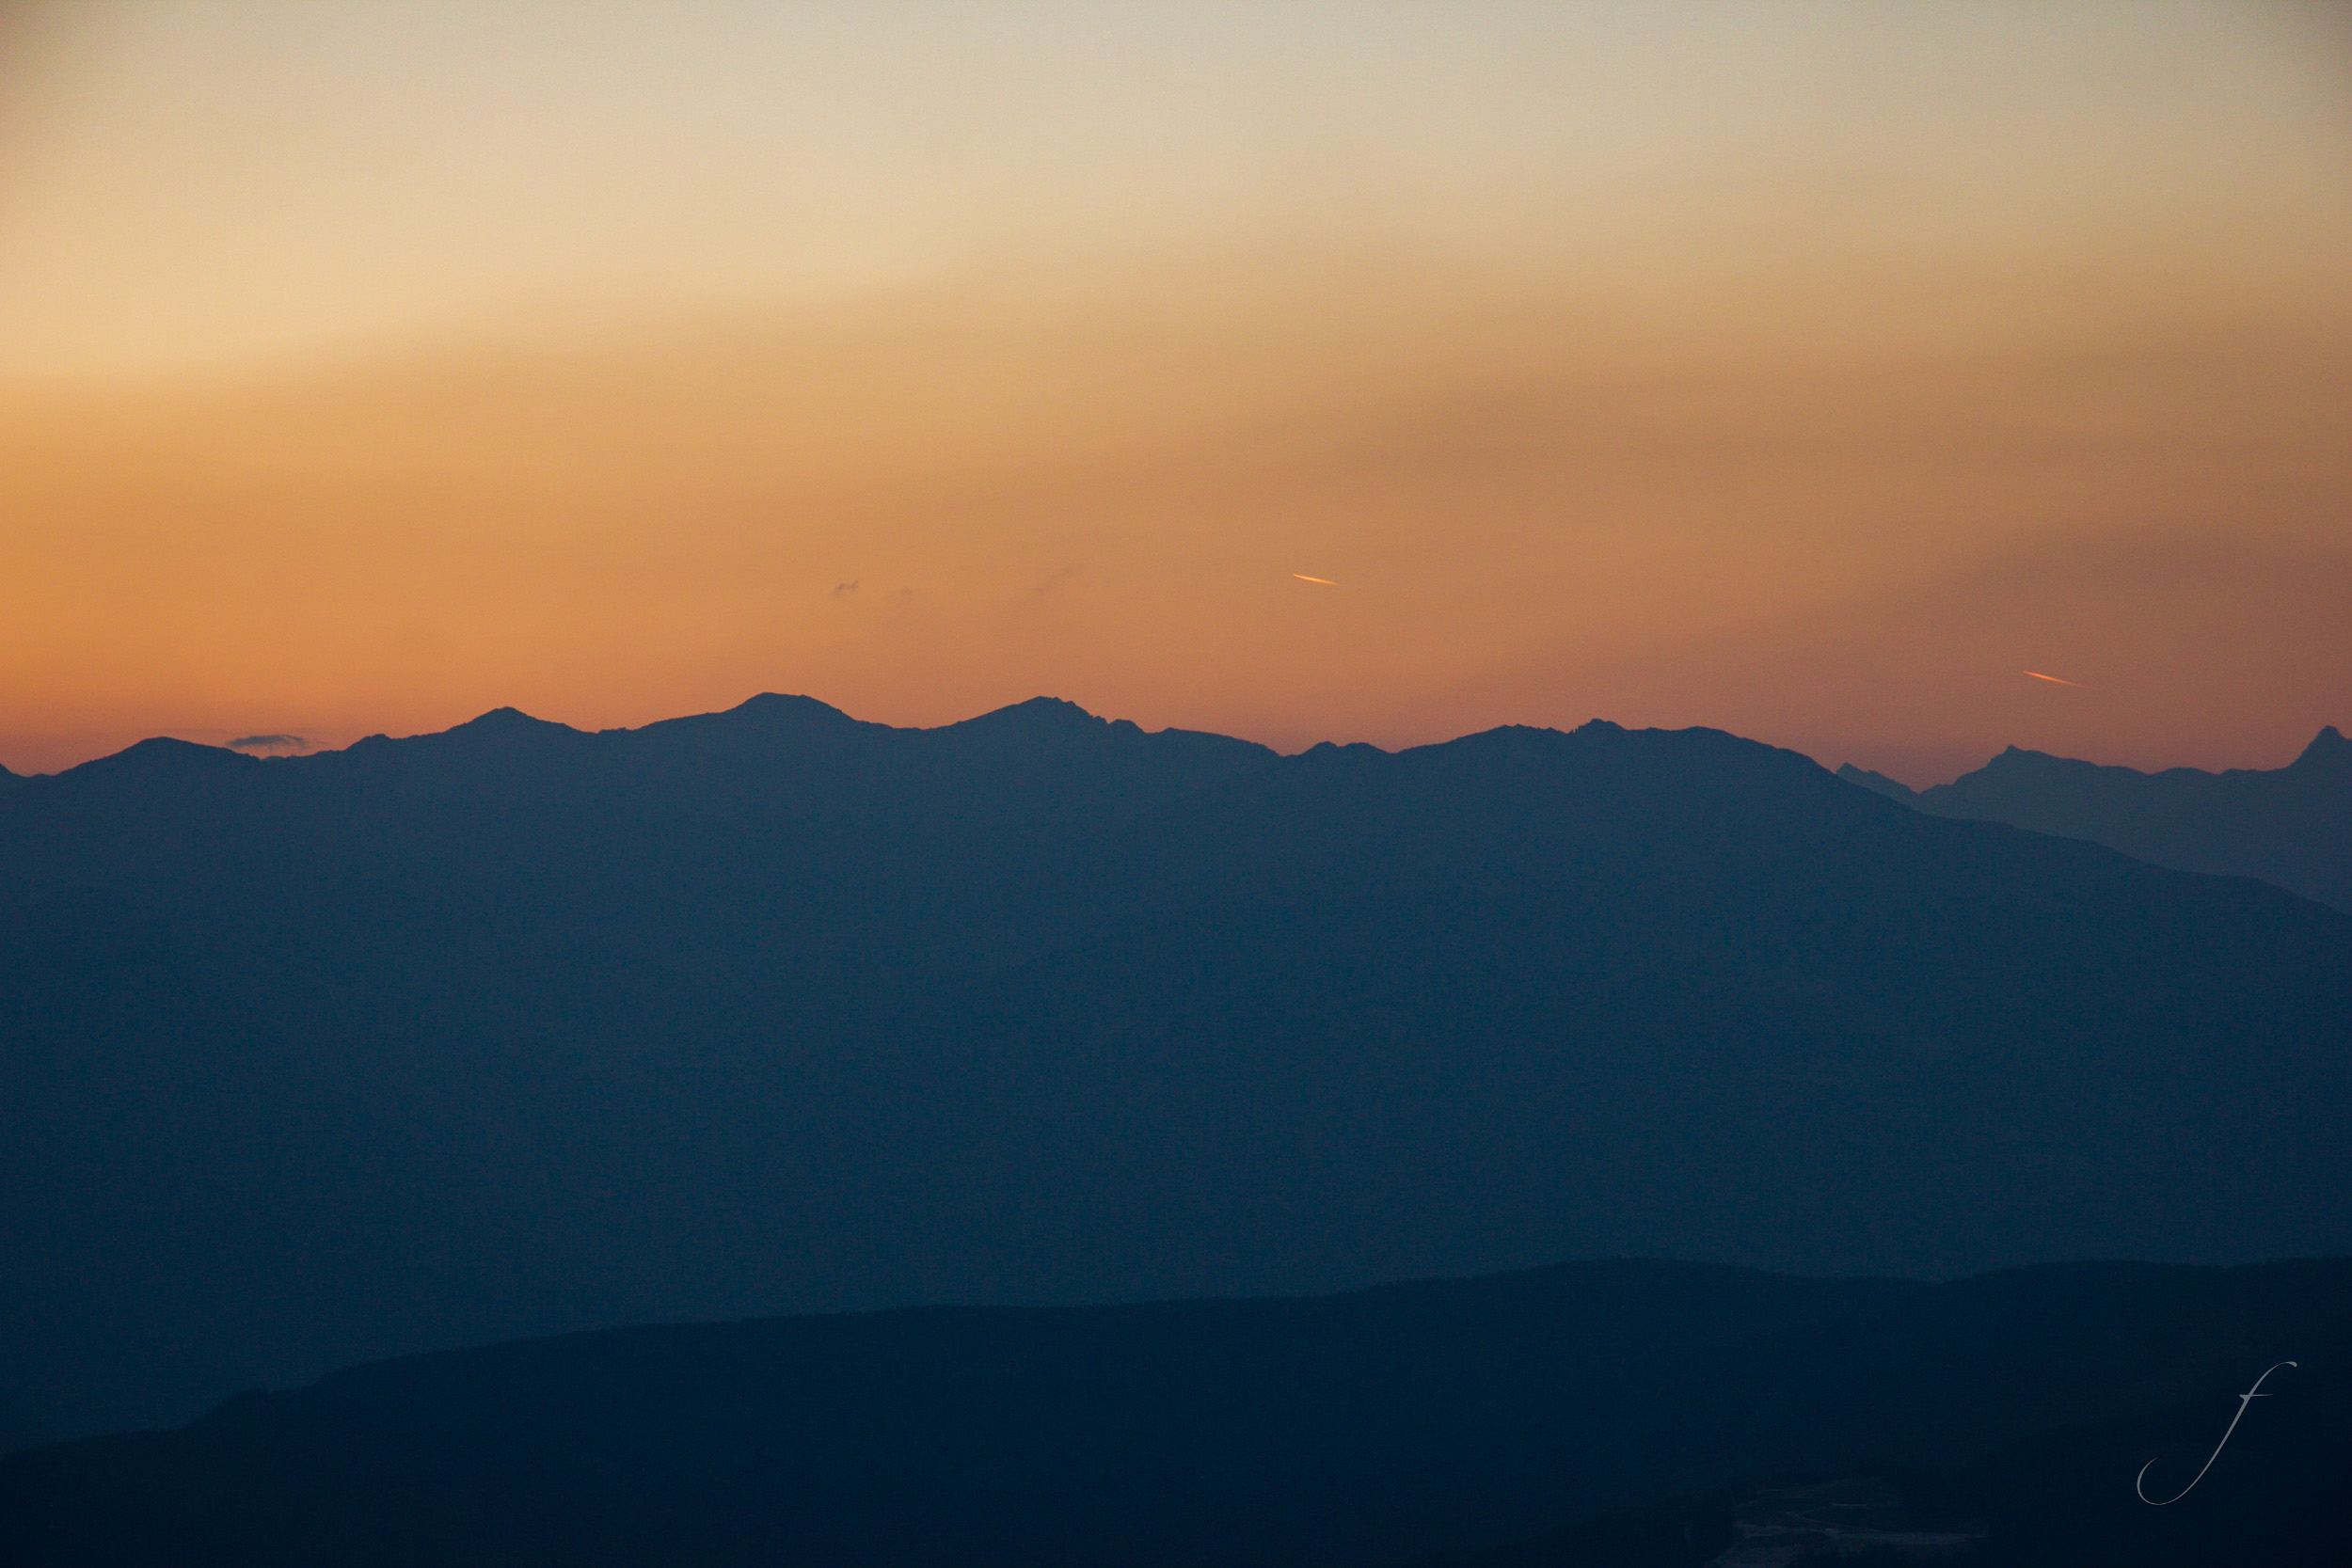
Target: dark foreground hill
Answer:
[[1455, 1416], [2274, 1495], [2291, 826], [514, 1029], [2065, 1497]]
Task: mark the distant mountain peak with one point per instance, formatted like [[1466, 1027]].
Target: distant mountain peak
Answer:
[[500, 729], [769, 705], [1037, 716], [778, 713], [511, 718], [1325, 752], [1057, 707], [164, 754], [2289, 826], [2328, 749]]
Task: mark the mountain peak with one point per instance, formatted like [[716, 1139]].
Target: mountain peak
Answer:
[[505, 719], [2328, 749], [163, 755], [2015, 759], [2268, 823], [1039, 716], [505, 726], [776, 704]]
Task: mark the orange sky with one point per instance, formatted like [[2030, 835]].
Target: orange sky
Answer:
[[1811, 372]]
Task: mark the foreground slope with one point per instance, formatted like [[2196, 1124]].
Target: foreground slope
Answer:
[[1353, 1430], [516, 1029], [2291, 826], [2060, 1496]]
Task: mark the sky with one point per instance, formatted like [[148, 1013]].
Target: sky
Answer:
[[1809, 371]]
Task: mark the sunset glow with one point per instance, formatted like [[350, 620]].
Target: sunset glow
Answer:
[[1795, 371]]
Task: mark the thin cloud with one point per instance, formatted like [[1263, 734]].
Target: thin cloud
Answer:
[[2055, 680], [267, 744], [841, 588], [1304, 577]]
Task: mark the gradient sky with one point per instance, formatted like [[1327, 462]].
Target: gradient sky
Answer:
[[1809, 371]]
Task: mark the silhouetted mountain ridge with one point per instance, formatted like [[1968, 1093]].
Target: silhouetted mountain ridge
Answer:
[[2290, 826], [516, 1029]]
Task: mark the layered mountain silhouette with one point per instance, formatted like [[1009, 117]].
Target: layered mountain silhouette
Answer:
[[1491, 1422], [516, 1029], [2291, 826]]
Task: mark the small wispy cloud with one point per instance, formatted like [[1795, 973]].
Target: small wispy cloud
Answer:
[[1304, 577], [2054, 680], [841, 588], [267, 744]]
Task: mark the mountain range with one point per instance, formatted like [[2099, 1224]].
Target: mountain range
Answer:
[[514, 1029], [2291, 824]]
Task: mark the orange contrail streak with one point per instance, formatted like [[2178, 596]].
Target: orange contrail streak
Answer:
[[1304, 577], [2058, 679]]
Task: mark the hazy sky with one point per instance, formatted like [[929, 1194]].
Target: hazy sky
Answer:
[[1809, 372]]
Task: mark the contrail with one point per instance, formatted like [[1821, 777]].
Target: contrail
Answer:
[[2061, 680], [1304, 577]]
